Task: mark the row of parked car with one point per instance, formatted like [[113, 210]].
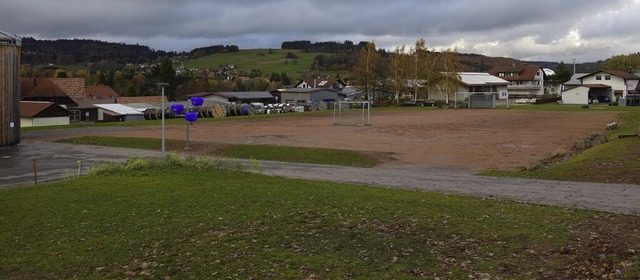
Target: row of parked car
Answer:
[[428, 102]]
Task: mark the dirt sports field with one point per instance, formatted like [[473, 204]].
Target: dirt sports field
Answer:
[[471, 139]]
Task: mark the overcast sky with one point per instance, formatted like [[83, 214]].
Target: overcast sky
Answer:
[[550, 30]]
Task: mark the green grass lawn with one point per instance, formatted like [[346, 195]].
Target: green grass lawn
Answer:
[[265, 60], [257, 152], [154, 220]]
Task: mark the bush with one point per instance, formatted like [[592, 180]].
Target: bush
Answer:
[[193, 163]]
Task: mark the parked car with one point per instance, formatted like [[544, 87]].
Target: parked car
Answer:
[[428, 102]]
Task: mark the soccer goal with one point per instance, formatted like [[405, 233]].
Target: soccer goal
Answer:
[[352, 113]]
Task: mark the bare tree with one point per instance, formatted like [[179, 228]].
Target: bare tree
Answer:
[[450, 76], [366, 69], [398, 74]]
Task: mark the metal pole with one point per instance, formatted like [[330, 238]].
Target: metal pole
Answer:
[[163, 149], [187, 147], [35, 172]]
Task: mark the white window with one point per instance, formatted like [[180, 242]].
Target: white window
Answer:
[[598, 77], [607, 77]]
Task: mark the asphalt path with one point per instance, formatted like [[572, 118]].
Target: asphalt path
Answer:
[[57, 161]]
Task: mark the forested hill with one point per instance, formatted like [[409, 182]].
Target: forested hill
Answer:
[[74, 51], [82, 51]]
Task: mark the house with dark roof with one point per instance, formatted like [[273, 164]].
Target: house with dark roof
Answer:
[[42, 113], [603, 86], [526, 81], [70, 93], [305, 95], [323, 83]]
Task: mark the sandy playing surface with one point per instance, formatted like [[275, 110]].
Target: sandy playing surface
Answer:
[[473, 139]]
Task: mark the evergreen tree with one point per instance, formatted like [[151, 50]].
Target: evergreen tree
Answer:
[[162, 73], [563, 74]]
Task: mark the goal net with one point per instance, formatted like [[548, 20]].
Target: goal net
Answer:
[[351, 113]]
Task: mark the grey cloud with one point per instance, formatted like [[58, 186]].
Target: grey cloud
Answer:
[[520, 29]]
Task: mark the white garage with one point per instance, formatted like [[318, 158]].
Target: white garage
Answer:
[[583, 94]]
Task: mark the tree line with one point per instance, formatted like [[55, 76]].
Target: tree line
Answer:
[[415, 71], [81, 51], [326, 47]]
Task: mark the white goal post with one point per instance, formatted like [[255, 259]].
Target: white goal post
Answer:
[[352, 113]]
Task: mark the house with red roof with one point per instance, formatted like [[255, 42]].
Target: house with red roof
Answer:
[[526, 81]]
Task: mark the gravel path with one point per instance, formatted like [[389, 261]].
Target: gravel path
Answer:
[[57, 160]]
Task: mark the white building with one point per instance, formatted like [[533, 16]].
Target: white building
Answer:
[[603, 85]]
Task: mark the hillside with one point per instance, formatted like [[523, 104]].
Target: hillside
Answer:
[[296, 63], [269, 61]]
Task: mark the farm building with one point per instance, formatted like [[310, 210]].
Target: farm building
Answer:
[[70, 93], [304, 95], [236, 97], [118, 113], [42, 113], [604, 86]]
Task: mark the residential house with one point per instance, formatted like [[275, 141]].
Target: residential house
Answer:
[[526, 81], [70, 93], [323, 83], [42, 113], [604, 86]]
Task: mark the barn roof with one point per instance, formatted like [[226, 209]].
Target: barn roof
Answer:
[[33, 109], [100, 92], [140, 99]]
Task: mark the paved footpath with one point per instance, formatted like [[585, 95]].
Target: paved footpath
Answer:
[[54, 161]]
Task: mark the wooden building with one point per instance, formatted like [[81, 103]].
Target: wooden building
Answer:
[[9, 89]]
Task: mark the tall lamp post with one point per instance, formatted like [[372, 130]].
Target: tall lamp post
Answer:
[[162, 85], [192, 115]]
